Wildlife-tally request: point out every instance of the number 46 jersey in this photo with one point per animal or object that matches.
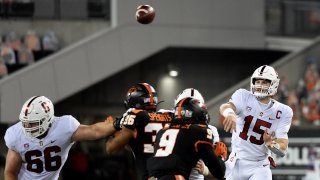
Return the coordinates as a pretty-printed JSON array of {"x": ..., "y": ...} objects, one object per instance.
[
  {"x": 253, "y": 118},
  {"x": 44, "y": 158}
]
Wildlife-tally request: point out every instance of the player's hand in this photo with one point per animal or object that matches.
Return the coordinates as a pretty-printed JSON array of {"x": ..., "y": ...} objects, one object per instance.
[
  {"x": 109, "y": 119},
  {"x": 229, "y": 123},
  {"x": 117, "y": 123},
  {"x": 269, "y": 138},
  {"x": 201, "y": 168},
  {"x": 221, "y": 149}
]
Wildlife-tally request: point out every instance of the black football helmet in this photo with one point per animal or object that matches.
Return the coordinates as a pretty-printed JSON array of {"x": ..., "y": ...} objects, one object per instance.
[
  {"x": 190, "y": 110},
  {"x": 141, "y": 96}
]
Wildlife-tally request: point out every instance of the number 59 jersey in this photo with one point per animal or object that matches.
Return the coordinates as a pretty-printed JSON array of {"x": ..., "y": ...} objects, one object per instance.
[
  {"x": 176, "y": 150},
  {"x": 44, "y": 158},
  {"x": 253, "y": 118}
]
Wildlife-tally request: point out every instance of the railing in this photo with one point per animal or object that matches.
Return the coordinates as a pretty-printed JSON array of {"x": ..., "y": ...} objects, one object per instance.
[{"x": 55, "y": 9}]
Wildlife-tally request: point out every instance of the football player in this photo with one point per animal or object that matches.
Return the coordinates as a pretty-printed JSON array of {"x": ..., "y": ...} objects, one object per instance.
[
  {"x": 140, "y": 124},
  {"x": 184, "y": 142},
  {"x": 200, "y": 169},
  {"x": 259, "y": 125},
  {"x": 38, "y": 145}
]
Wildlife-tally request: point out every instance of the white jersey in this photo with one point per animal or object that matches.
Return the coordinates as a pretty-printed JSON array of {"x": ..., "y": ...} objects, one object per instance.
[
  {"x": 43, "y": 159},
  {"x": 252, "y": 120},
  {"x": 194, "y": 175}
]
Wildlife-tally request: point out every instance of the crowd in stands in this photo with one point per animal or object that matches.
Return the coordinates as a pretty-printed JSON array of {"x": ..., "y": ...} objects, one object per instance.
[
  {"x": 304, "y": 99},
  {"x": 19, "y": 51}
]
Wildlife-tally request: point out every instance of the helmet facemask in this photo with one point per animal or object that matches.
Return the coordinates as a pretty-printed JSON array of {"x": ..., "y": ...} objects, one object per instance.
[
  {"x": 264, "y": 73},
  {"x": 35, "y": 128}
]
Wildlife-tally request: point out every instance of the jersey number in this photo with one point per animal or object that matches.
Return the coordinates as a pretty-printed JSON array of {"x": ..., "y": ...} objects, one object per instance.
[
  {"x": 51, "y": 162},
  {"x": 151, "y": 128},
  {"x": 167, "y": 141},
  {"x": 257, "y": 129}
]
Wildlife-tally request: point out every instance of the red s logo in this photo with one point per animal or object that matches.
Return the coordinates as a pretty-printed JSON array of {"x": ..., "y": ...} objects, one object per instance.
[{"x": 45, "y": 107}]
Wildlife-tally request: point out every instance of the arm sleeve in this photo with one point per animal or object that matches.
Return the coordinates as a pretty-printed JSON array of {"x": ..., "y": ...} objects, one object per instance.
[{"x": 215, "y": 164}]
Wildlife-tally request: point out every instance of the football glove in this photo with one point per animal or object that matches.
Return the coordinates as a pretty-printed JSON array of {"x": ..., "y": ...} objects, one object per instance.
[
  {"x": 117, "y": 123},
  {"x": 221, "y": 150}
]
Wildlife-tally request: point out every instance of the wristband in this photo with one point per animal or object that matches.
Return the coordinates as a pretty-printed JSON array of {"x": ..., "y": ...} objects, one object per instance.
[
  {"x": 227, "y": 111},
  {"x": 276, "y": 149},
  {"x": 205, "y": 171}
]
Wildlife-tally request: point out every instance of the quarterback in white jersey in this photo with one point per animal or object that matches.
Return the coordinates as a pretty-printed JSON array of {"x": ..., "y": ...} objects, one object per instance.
[
  {"x": 38, "y": 145},
  {"x": 259, "y": 125}
]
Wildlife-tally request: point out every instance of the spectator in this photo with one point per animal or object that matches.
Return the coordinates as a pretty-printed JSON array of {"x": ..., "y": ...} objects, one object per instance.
[
  {"x": 25, "y": 56},
  {"x": 13, "y": 40},
  {"x": 32, "y": 42},
  {"x": 8, "y": 55},
  {"x": 50, "y": 41},
  {"x": 3, "y": 68}
]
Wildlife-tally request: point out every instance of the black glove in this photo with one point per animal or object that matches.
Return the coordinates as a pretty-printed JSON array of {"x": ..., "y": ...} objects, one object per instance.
[{"x": 117, "y": 124}]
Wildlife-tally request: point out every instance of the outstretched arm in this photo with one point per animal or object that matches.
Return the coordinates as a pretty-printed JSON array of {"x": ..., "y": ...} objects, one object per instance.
[
  {"x": 94, "y": 131},
  {"x": 227, "y": 110},
  {"x": 13, "y": 164}
]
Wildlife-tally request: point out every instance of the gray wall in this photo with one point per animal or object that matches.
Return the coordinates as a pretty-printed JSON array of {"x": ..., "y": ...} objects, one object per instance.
[{"x": 205, "y": 23}]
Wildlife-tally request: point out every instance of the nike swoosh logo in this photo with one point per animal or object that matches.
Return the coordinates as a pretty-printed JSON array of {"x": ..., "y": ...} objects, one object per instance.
[
  {"x": 53, "y": 141},
  {"x": 265, "y": 165},
  {"x": 271, "y": 119}
]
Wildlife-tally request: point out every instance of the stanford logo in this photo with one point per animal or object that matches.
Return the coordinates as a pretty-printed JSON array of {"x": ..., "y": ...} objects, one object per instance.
[
  {"x": 45, "y": 107},
  {"x": 26, "y": 146}
]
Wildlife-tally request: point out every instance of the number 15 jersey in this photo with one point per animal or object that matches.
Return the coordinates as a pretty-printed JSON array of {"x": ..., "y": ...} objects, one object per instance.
[{"x": 253, "y": 118}]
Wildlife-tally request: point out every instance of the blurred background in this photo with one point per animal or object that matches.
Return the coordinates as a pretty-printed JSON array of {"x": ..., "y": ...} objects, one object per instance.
[{"x": 85, "y": 54}]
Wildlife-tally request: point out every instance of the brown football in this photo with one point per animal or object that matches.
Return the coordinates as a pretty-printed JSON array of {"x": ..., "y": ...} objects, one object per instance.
[{"x": 145, "y": 14}]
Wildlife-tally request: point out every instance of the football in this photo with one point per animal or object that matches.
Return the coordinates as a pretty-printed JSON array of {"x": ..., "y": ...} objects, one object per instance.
[{"x": 145, "y": 14}]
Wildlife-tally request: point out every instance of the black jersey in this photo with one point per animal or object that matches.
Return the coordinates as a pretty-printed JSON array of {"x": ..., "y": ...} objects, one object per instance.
[
  {"x": 178, "y": 149},
  {"x": 146, "y": 125}
]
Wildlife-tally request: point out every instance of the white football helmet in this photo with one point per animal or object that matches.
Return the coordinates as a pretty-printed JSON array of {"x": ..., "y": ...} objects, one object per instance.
[
  {"x": 189, "y": 92},
  {"x": 267, "y": 73},
  {"x": 36, "y": 116}
]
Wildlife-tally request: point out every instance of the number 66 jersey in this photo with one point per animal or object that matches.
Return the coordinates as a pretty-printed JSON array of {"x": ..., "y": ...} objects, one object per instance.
[
  {"x": 253, "y": 118},
  {"x": 44, "y": 158}
]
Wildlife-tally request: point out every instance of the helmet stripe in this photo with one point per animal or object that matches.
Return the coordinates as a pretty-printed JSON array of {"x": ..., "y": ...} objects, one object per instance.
[
  {"x": 26, "y": 112},
  {"x": 147, "y": 86},
  {"x": 192, "y": 92},
  {"x": 180, "y": 108},
  {"x": 262, "y": 69}
]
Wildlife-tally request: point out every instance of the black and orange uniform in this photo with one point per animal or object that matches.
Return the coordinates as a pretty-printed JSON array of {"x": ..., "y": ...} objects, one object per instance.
[
  {"x": 183, "y": 143},
  {"x": 189, "y": 143},
  {"x": 145, "y": 126}
]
